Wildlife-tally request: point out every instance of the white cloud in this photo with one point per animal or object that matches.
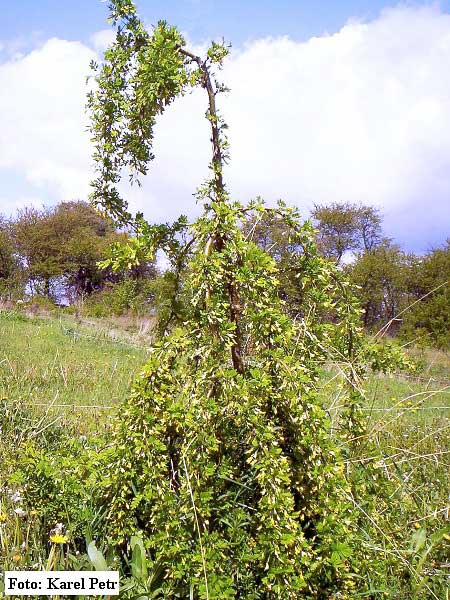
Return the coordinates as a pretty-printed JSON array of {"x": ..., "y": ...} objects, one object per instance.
[
  {"x": 102, "y": 39},
  {"x": 361, "y": 115},
  {"x": 42, "y": 121}
]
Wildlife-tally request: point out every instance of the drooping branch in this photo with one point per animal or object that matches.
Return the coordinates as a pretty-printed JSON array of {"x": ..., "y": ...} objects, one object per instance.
[{"x": 143, "y": 73}]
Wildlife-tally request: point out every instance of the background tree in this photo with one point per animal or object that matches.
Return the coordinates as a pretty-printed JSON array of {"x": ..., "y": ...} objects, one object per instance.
[
  {"x": 340, "y": 228},
  {"x": 273, "y": 235},
  {"x": 61, "y": 247},
  {"x": 346, "y": 227},
  {"x": 428, "y": 319},
  {"x": 38, "y": 249},
  {"x": 368, "y": 223},
  {"x": 270, "y": 231},
  {"x": 82, "y": 237},
  {"x": 11, "y": 273},
  {"x": 383, "y": 276}
]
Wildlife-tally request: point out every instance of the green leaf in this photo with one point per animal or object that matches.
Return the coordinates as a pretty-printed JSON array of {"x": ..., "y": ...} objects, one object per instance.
[
  {"x": 138, "y": 560},
  {"x": 419, "y": 538},
  {"x": 96, "y": 558}
]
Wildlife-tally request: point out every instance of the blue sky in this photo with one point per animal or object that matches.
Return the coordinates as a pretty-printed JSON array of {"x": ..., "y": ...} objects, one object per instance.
[
  {"x": 331, "y": 101},
  {"x": 237, "y": 20}
]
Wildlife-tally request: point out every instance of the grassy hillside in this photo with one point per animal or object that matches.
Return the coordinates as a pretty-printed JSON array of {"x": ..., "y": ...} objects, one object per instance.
[{"x": 60, "y": 366}]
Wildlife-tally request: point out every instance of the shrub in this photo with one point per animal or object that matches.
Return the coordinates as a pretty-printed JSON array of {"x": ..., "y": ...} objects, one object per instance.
[
  {"x": 130, "y": 295},
  {"x": 232, "y": 477},
  {"x": 59, "y": 487},
  {"x": 223, "y": 461}
]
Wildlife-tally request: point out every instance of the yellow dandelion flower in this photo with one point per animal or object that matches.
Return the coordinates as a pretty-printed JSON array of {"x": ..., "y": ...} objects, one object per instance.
[
  {"x": 17, "y": 558},
  {"x": 57, "y": 538},
  {"x": 3, "y": 517}
]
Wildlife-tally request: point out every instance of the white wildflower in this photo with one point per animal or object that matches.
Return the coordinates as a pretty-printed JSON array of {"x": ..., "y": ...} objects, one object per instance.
[{"x": 16, "y": 497}]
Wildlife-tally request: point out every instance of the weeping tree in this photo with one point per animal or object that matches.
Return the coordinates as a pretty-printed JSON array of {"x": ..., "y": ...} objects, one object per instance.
[{"x": 223, "y": 461}]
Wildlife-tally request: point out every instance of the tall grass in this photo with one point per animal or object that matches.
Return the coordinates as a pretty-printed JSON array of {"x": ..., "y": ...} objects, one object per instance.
[{"x": 406, "y": 444}]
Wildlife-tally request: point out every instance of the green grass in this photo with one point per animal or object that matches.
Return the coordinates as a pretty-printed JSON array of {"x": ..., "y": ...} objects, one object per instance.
[
  {"x": 59, "y": 363},
  {"x": 409, "y": 424},
  {"x": 407, "y": 442}
]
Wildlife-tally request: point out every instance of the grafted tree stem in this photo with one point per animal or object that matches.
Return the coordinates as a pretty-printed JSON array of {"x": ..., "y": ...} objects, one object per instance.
[
  {"x": 220, "y": 195},
  {"x": 212, "y": 117}
]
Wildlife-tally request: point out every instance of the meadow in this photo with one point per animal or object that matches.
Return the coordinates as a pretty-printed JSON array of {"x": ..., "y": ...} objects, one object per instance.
[
  {"x": 77, "y": 372},
  {"x": 68, "y": 375}
]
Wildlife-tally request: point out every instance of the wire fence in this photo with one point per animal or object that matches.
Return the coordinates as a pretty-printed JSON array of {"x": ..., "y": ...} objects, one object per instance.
[
  {"x": 103, "y": 338},
  {"x": 51, "y": 405}
]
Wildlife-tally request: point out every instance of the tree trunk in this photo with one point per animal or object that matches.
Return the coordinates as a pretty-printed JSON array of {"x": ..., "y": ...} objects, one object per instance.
[{"x": 220, "y": 196}]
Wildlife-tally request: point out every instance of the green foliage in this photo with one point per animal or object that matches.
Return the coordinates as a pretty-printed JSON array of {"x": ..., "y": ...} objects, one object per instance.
[
  {"x": 223, "y": 461},
  {"x": 143, "y": 72},
  {"x": 429, "y": 321},
  {"x": 60, "y": 487},
  {"x": 130, "y": 295},
  {"x": 169, "y": 301},
  {"x": 429, "y": 318},
  {"x": 63, "y": 243},
  {"x": 40, "y": 484},
  {"x": 62, "y": 254},
  {"x": 383, "y": 276},
  {"x": 141, "y": 75},
  {"x": 346, "y": 227},
  {"x": 311, "y": 291},
  {"x": 405, "y": 294},
  {"x": 405, "y": 448},
  {"x": 225, "y": 478},
  {"x": 385, "y": 357},
  {"x": 273, "y": 235},
  {"x": 12, "y": 281}
]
